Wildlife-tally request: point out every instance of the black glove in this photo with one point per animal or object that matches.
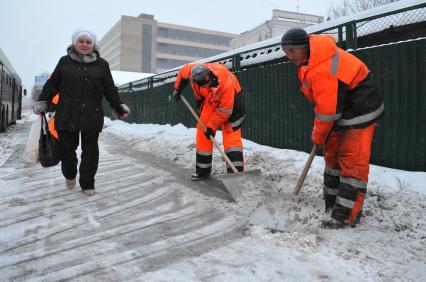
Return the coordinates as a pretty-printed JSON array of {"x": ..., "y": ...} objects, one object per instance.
[
  {"x": 176, "y": 95},
  {"x": 209, "y": 132}
]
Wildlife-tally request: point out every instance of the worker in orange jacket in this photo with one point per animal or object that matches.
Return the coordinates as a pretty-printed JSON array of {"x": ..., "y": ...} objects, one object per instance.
[
  {"x": 346, "y": 105},
  {"x": 221, "y": 105}
]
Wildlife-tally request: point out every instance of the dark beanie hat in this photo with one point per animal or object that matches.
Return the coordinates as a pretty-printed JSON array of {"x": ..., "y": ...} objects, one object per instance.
[
  {"x": 200, "y": 74},
  {"x": 295, "y": 38}
]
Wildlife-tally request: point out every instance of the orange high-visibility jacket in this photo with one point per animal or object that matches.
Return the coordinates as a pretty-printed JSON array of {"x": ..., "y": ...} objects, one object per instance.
[
  {"x": 329, "y": 80},
  {"x": 220, "y": 97}
]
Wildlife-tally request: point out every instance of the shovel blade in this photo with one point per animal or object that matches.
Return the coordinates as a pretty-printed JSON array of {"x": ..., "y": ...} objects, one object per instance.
[
  {"x": 243, "y": 183},
  {"x": 287, "y": 212}
]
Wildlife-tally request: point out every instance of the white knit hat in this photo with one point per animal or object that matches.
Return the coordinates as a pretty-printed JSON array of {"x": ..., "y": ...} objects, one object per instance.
[{"x": 83, "y": 32}]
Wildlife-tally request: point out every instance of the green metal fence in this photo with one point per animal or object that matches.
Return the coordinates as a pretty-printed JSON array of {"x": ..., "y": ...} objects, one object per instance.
[
  {"x": 395, "y": 22},
  {"x": 400, "y": 140},
  {"x": 278, "y": 115}
]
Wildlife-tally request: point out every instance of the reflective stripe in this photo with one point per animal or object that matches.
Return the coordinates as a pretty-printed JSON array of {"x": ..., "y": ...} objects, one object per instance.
[
  {"x": 226, "y": 111},
  {"x": 233, "y": 82},
  {"x": 203, "y": 165},
  {"x": 328, "y": 117},
  {"x": 204, "y": 153},
  {"x": 353, "y": 182},
  {"x": 234, "y": 149},
  {"x": 332, "y": 171},
  {"x": 238, "y": 122},
  {"x": 306, "y": 84},
  {"x": 345, "y": 202},
  {"x": 330, "y": 191},
  {"x": 363, "y": 118},
  {"x": 334, "y": 63},
  {"x": 236, "y": 164}
]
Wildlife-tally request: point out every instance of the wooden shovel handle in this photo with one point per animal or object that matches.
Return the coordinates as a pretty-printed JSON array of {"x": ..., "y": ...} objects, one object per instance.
[
  {"x": 306, "y": 169},
  {"x": 228, "y": 161}
]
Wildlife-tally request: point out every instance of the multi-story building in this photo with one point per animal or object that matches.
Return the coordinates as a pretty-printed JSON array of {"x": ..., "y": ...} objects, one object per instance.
[
  {"x": 281, "y": 21},
  {"x": 142, "y": 44}
]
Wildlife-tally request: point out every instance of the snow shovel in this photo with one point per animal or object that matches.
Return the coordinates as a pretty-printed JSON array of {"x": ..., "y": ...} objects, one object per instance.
[
  {"x": 238, "y": 184},
  {"x": 287, "y": 211},
  {"x": 306, "y": 169}
]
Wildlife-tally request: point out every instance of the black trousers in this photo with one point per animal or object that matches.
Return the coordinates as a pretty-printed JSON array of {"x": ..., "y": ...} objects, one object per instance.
[{"x": 68, "y": 142}]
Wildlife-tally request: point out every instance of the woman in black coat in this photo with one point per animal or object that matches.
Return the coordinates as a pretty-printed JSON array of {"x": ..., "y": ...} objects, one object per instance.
[{"x": 82, "y": 78}]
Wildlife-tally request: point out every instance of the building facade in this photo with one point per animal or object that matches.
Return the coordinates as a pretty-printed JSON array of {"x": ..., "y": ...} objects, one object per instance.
[
  {"x": 281, "y": 21},
  {"x": 142, "y": 44}
]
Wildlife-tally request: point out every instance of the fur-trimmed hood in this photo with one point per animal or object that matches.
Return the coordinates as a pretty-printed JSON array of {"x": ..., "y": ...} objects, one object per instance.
[{"x": 89, "y": 58}]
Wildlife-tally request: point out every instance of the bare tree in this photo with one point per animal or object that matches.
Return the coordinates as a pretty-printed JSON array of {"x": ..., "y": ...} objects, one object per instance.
[{"x": 348, "y": 7}]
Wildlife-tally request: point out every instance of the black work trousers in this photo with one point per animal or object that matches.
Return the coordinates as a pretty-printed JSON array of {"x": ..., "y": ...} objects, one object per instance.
[{"x": 68, "y": 142}]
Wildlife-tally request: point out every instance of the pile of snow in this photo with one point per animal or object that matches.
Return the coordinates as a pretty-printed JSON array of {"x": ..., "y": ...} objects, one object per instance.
[
  {"x": 178, "y": 142},
  {"x": 388, "y": 245},
  {"x": 123, "y": 77}
]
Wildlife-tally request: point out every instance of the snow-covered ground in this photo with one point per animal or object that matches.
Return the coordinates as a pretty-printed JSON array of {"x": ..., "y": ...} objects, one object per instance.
[
  {"x": 123, "y": 77},
  {"x": 388, "y": 245}
]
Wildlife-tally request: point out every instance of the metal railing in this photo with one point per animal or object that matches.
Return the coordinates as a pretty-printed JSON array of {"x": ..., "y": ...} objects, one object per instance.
[
  {"x": 394, "y": 22},
  {"x": 279, "y": 116}
]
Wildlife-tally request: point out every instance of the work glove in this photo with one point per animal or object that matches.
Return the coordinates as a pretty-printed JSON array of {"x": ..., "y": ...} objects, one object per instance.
[
  {"x": 209, "y": 132},
  {"x": 121, "y": 112},
  {"x": 176, "y": 95},
  {"x": 320, "y": 147},
  {"x": 40, "y": 107}
]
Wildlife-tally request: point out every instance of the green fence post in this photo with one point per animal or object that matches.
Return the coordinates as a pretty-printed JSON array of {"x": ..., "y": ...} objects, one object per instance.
[
  {"x": 236, "y": 62},
  {"x": 350, "y": 39},
  {"x": 340, "y": 36},
  {"x": 355, "y": 36}
]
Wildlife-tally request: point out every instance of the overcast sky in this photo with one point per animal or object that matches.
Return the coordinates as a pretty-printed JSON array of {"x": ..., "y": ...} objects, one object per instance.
[{"x": 34, "y": 34}]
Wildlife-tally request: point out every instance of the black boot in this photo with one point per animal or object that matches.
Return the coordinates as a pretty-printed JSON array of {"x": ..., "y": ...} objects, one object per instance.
[
  {"x": 329, "y": 202},
  {"x": 357, "y": 220},
  {"x": 199, "y": 176},
  {"x": 336, "y": 222},
  {"x": 332, "y": 223},
  {"x": 334, "y": 219}
]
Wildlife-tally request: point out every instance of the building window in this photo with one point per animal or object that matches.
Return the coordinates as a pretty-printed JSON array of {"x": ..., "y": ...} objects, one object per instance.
[
  {"x": 186, "y": 50},
  {"x": 166, "y": 64},
  {"x": 193, "y": 36},
  {"x": 146, "y": 47}
]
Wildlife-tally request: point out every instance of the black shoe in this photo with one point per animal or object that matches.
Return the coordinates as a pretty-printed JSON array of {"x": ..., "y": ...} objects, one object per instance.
[{"x": 197, "y": 176}]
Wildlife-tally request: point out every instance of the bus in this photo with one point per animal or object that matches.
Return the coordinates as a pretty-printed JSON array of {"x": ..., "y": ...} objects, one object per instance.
[{"x": 10, "y": 93}]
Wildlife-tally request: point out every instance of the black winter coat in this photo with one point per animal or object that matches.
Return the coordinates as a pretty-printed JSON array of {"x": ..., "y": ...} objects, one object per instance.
[{"x": 81, "y": 86}]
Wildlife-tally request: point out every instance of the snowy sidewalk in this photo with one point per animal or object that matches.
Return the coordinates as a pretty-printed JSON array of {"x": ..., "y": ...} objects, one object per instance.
[
  {"x": 141, "y": 219},
  {"x": 149, "y": 222}
]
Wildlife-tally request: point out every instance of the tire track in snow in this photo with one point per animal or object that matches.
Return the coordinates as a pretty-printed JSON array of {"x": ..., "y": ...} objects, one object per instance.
[{"x": 144, "y": 216}]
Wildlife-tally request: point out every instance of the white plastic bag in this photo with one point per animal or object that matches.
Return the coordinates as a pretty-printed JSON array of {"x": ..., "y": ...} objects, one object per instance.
[{"x": 31, "y": 154}]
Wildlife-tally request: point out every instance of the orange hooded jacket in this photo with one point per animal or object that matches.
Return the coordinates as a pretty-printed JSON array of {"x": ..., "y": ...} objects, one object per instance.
[
  {"x": 219, "y": 96},
  {"x": 329, "y": 69}
]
